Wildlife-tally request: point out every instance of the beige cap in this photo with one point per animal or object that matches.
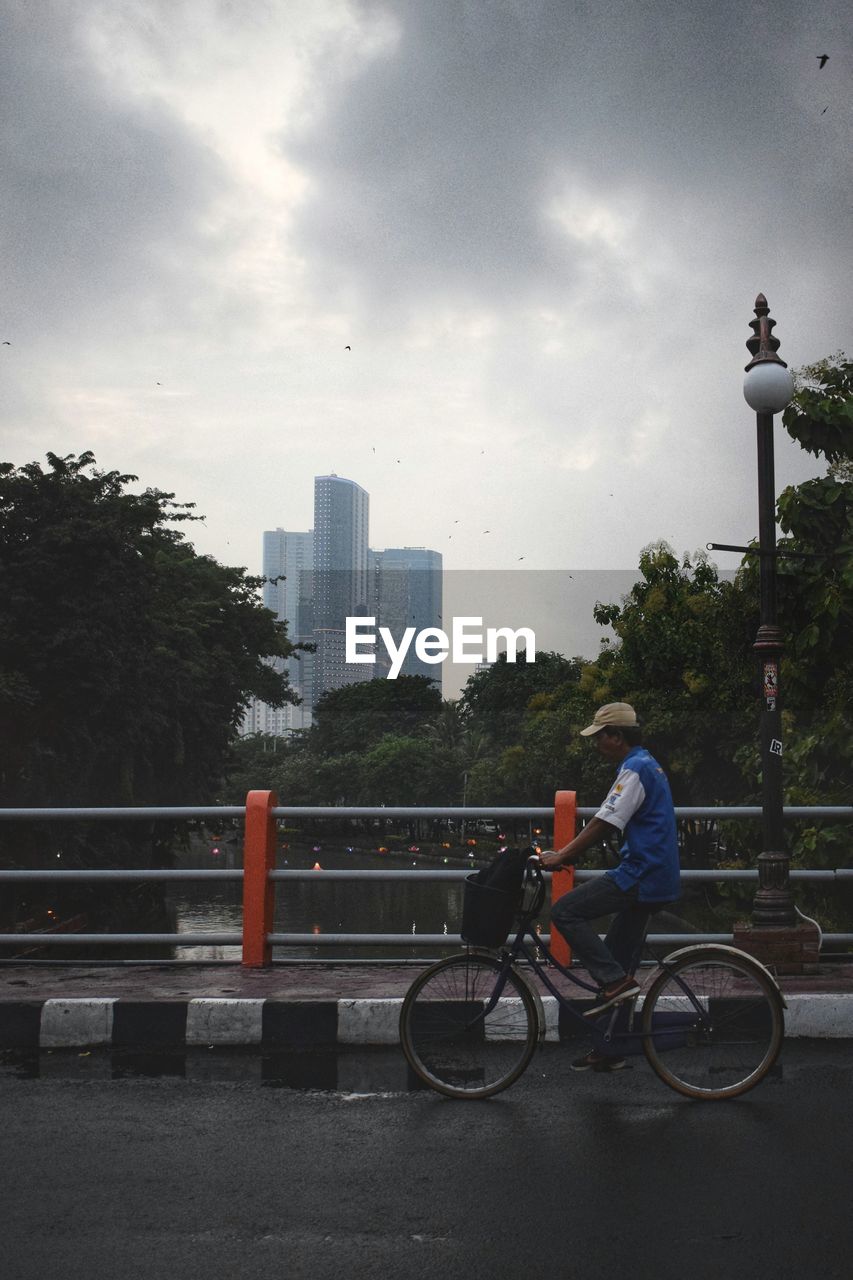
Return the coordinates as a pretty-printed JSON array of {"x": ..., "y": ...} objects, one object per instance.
[{"x": 614, "y": 715}]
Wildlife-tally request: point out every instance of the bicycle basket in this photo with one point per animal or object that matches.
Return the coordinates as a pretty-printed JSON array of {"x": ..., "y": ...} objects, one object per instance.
[{"x": 487, "y": 913}]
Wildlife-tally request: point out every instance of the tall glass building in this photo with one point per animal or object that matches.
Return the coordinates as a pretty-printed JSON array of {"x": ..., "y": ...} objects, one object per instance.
[
  {"x": 407, "y": 592},
  {"x": 341, "y": 579},
  {"x": 288, "y": 559},
  {"x": 341, "y": 518}
]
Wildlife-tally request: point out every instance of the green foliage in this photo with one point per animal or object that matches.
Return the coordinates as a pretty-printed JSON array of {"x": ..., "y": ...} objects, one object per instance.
[
  {"x": 509, "y": 709},
  {"x": 495, "y": 699},
  {"x": 307, "y": 778},
  {"x": 406, "y": 771},
  {"x": 254, "y": 763},
  {"x": 360, "y": 715},
  {"x": 816, "y": 609},
  {"x": 820, "y": 417},
  {"x": 126, "y": 658},
  {"x": 684, "y": 661}
]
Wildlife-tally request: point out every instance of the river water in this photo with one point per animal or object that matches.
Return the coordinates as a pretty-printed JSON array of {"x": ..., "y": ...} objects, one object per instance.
[
  {"x": 352, "y": 906},
  {"x": 322, "y": 907}
]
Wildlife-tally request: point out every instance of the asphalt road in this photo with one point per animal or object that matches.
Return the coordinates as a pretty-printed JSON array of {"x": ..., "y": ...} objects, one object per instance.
[{"x": 587, "y": 1176}]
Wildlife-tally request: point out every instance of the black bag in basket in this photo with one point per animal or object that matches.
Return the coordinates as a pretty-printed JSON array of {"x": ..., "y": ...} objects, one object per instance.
[{"x": 492, "y": 898}]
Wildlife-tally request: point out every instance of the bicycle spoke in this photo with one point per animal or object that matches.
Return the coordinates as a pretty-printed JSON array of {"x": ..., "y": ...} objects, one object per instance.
[
  {"x": 460, "y": 1035},
  {"x": 727, "y": 1044}
]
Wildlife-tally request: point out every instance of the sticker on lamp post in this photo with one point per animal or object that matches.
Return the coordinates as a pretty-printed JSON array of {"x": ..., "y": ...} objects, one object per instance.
[
  {"x": 775, "y": 747},
  {"x": 771, "y": 685}
]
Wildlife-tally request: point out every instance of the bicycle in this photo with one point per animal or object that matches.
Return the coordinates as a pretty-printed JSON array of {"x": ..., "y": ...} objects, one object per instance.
[{"x": 711, "y": 1021}]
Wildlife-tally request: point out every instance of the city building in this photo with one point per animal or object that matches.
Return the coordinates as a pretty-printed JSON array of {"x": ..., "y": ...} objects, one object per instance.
[
  {"x": 407, "y": 592},
  {"x": 288, "y": 563},
  {"x": 341, "y": 580},
  {"x": 317, "y": 578},
  {"x": 288, "y": 560}
]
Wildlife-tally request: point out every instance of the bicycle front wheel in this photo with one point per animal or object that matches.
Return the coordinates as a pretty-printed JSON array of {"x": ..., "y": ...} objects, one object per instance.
[
  {"x": 712, "y": 1023},
  {"x": 457, "y": 1037}
]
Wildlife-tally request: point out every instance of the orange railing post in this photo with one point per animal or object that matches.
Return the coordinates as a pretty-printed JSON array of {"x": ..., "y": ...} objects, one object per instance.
[
  {"x": 258, "y": 889},
  {"x": 562, "y": 880}
]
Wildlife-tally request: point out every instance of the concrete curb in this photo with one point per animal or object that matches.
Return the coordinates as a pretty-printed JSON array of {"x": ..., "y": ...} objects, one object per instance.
[
  {"x": 819, "y": 1016},
  {"x": 288, "y": 1024}
]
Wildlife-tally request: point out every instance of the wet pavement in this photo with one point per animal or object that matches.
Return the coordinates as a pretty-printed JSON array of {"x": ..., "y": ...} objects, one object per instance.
[
  {"x": 190, "y": 980},
  {"x": 351, "y": 1070},
  {"x": 176, "y": 1177}
]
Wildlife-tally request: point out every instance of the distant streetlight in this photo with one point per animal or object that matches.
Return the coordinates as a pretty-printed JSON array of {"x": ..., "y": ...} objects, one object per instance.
[{"x": 768, "y": 387}]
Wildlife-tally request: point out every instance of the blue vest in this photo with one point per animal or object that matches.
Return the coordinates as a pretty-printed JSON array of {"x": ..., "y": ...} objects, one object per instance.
[{"x": 650, "y": 849}]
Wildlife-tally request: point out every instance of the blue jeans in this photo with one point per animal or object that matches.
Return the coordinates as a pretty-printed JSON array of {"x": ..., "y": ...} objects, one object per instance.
[{"x": 607, "y": 961}]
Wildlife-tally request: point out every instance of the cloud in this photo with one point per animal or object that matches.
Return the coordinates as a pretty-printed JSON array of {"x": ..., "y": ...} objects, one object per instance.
[
  {"x": 104, "y": 197},
  {"x": 503, "y": 154}
]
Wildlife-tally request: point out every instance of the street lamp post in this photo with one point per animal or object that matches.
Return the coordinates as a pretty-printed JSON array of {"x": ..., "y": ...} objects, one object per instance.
[{"x": 768, "y": 388}]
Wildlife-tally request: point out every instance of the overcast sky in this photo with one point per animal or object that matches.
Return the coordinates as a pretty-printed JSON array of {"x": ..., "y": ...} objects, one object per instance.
[{"x": 539, "y": 224}]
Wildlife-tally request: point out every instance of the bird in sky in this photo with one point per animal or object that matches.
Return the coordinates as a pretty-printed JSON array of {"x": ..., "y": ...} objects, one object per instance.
[
  {"x": 521, "y": 557},
  {"x": 7, "y": 344},
  {"x": 487, "y": 531},
  {"x": 347, "y": 348},
  {"x": 822, "y": 58}
]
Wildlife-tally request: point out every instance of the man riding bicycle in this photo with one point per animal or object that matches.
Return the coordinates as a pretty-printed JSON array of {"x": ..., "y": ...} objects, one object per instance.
[{"x": 639, "y": 806}]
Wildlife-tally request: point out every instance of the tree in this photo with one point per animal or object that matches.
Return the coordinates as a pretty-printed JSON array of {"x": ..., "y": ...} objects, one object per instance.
[
  {"x": 126, "y": 659},
  {"x": 254, "y": 763},
  {"x": 493, "y": 711},
  {"x": 684, "y": 659},
  {"x": 495, "y": 699},
  {"x": 406, "y": 771},
  {"x": 820, "y": 416},
  {"x": 816, "y": 608},
  {"x": 358, "y": 716}
]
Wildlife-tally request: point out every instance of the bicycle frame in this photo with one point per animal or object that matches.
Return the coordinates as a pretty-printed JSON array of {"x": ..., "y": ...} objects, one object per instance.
[{"x": 601, "y": 1034}]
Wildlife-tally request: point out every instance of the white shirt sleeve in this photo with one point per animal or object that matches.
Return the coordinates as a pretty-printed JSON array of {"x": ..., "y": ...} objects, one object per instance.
[{"x": 625, "y": 798}]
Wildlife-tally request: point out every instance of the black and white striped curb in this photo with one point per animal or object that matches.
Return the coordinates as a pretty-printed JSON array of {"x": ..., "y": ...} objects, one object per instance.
[
  {"x": 154, "y": 1024},
  {"x": 288, "y": 1024}
]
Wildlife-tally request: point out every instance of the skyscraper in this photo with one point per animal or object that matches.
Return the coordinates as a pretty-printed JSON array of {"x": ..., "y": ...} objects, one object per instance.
[
  {"x": 289, "y": 558},
  {"x": 341, "y": 580},
  {"x": 287, "y": 567},
  {"x": 318, "y": 578},
  {"x": 407, "y": 592},
  {"x": 341, "y": 517}
]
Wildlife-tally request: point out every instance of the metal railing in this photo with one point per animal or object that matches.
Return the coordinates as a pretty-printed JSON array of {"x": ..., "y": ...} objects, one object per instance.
[{"x": 260, "y": 876}]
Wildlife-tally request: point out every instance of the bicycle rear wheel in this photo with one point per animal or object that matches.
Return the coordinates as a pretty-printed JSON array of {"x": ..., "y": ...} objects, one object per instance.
[
  {"x": 454, "y": 1041},
  {"x": 713, "y": 1023}
]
